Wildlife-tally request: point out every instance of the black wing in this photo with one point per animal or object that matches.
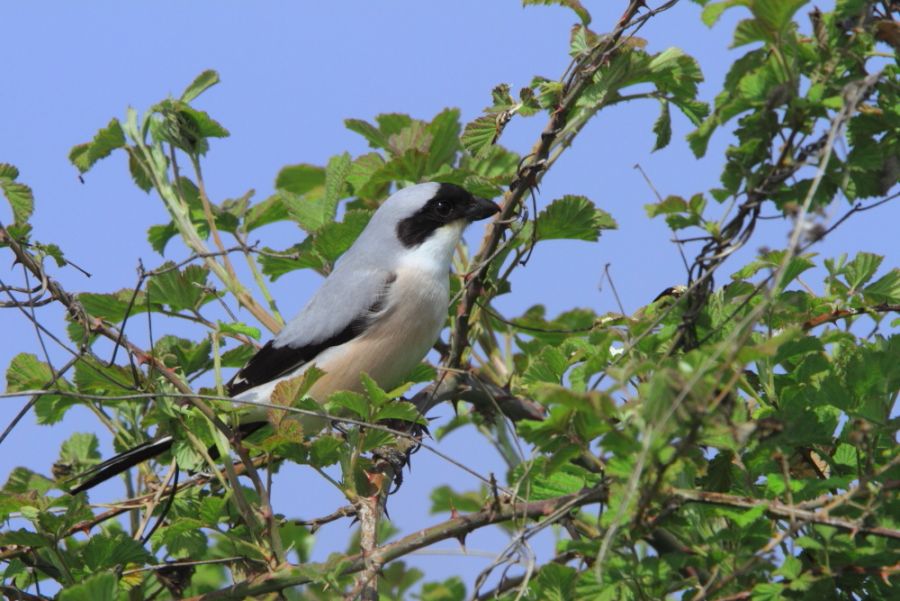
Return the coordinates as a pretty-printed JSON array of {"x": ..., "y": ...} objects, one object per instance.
[{"x": 272, "y": 362}]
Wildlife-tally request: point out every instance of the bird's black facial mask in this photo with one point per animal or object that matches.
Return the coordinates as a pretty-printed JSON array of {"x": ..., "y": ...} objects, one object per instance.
[{"x": 451, "y": 203}]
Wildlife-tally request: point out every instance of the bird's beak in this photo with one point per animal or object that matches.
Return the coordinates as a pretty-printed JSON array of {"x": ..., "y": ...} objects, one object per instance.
[{"x": 481, "y": 208}]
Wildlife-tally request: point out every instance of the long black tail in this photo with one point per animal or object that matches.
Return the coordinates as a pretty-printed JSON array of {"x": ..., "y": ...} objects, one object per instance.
[{"x": 123, "y": 461}]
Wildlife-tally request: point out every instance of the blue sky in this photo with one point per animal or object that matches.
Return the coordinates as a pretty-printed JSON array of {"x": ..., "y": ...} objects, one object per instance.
[{"x": 291, "y": 73}]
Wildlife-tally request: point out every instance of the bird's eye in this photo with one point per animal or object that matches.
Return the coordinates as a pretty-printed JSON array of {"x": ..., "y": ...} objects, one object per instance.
[{"x": 442, "y": 208}]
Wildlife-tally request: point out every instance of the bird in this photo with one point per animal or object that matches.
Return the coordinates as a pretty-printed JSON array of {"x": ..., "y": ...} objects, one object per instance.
[{"x": 378, "y": 312}]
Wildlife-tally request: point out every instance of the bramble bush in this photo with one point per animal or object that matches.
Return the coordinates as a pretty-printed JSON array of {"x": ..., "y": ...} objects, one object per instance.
[{"x": 733, "y": 439}]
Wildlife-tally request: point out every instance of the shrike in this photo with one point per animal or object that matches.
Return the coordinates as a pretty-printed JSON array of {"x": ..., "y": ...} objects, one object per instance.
[{"x": 378, "y": 312}]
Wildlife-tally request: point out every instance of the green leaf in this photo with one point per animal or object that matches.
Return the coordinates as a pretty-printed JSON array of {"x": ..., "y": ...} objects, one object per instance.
[
  {"x": 300, "y": 179},
  {"x": 263, "y": 213},
  {"x": 20, "y": 196},
  {"x": 179, "y": 289},
  {"x": 351, "y": 401},
  {"x": 212, "y": 510},
  {"x": 183, "y": 354},
  {"x": 140, "y": 174},
  {"x": 27, "y": 372},
  {"x": 375, "y": 137},
  {"x": 24, "y": 538},
  {"x": 99, "y": 587},
  {"x": 861, "y": 269},
  {"x": 335, "y": 237},
  {"x": 400, "y": 410},
  {"x": 335, "y": 183},
  {"x": 548, "y": 366},
  {"x": 451, "y": 589},
  {"x": 103, "y": 551},
  {"x": 776, "y": 14},
  {"x": 445, "y": 499},
  {"x": 444, "y": 130},
  {"x": 236, "y": 327},
  {"x": 886, "y": 289},
  {"x": 317, "y": 207},
  {"x": 573, "y": 217},
  {"x": 107, "y": 139},
  {"x": 22, "y": 480},
  {"x": 554, "y": 582},
  {"x": 663, "y": 126},
  {"x": 91, "y": 377},
  {"x": 276, "y": 263},
  {"x": 575, "y": 5},
  {"x": 712, "y": 12},
  {"x": 8, "y": 171},
  {"x": 159, "y": 235},
  {"x": 566, "y": 479},
  {"x": 480, "y": 134},
  {"x": 81, "y": 449},
  {"x": 289, "y": 392},
  {"x": 201, "y": 83},
  {"x": 115, "y": 306}
]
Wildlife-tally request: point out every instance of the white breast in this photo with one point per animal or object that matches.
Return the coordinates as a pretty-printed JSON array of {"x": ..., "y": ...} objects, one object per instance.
[{"x": 392, "y": 346}]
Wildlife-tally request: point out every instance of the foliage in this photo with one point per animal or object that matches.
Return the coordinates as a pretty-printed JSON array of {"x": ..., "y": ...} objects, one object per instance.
[{"x": 733, "y": 442}]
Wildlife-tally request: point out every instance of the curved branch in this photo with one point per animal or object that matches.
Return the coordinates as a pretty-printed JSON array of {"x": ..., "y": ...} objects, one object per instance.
[{"x": 452, "y": 528}]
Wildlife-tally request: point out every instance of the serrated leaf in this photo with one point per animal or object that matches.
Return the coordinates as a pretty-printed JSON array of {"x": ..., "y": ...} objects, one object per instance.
[
  {"x": 574, "y": 218},
  {"x": 335, "y": 237},
  {"x": 300, "y": 179},
  {"x": 480, "y": 134},
  {"x": 236, "y": 327},
  {"x": 99, "y": 587},
  {"x": 335, "y": 183},
  {"x": 663, "y": 126},
  {"x": 318, "y": 209},
  {"x": 8, "y": 171},
  {"x": 574, "y": 5},
  {"x": 444, "y": 498},
  {"x": 92, "y": 377},
  {"x": 24, "y": 538},
  {"x": 212, "y": 510},
  {"x": 548, "y": 366},
  {"x": 861, "y": 269},
  {"x": 885, "y": 289},
  {"x": 20, "y": 198},
  {"x": 27, "y": 372},
  {"x": 22, "y": 480},
  {"x": 400, "y": 410},
  {"x": 393, "y": 123},
  {"x": 276, "y": 263},
  {"x": 115, "y": 306},
  {"x": 351, "y": 401},
  {"x": 326, "y": 450},
  {"x": 105, "y": 141},
  {"x": 201, "y": 83},
  {"x": 375, "y": 137},
  {"x": 185, "y": 355},
  {"x": 363, "y": 176},
  {"x": 289, "y": 392},
  {"x": 159, "y": 235},
  {"x": 263, "y": 213},
  {"x": 104, "y": 551},
  {"x": 81, "y": 448},
  {"x": 181, "y": 290},
  {"x": 566, "y": 479},
  {"x": 555, "y": 582},
  {"x": 444, "y": 130}
]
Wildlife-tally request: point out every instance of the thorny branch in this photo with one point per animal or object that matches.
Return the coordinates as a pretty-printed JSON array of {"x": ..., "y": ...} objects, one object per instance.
[
  {"x": 451, "y": 529},
  {"x": 531, "y": 172}
]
